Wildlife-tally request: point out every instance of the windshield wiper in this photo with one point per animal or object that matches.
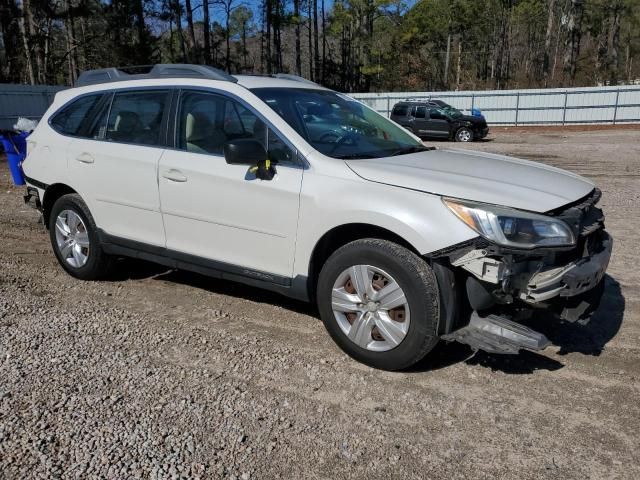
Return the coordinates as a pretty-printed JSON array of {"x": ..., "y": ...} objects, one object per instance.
[
  {"x": 353, "y": 156},
  {"x": 413, "y": 149}
]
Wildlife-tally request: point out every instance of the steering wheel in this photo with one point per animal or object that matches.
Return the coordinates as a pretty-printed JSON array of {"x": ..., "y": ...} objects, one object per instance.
[{"x": 343, "y": 140}]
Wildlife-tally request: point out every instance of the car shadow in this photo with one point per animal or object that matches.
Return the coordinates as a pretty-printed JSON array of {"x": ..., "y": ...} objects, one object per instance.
[
  {"x": 588, "y": 339},
  {"x": 135, "y": 269}
]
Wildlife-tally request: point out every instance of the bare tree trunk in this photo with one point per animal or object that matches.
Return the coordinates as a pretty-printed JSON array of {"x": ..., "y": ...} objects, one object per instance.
[
  {"x": 243, "y": 37},
  {"x": 178, "y": 13},
  {"x": 458, "y": 67},
  {"x": 446, "y": 61},
  {"x": 263, "y": 20},
  {"x": 277, "y": 34},
  {"x": 613, "y": 44},
  {"x": 316, "y": 52},
  {"x": 45, "y": 58},
  {"x": 25, "y": 42},
  {"x": 227, "y": 59},
  {"x": 33, "y": 41},
  {"x": 296, "y": 14},
  {"x": 556, "y": 50},
  {"x": 171, "y": 54},
  {"x": 206, "y": 31},
  {"x": 268, "y": 15},
  {"x": 324, "y": 44},
  {"x": 83, "y": 57},
  {"x": 309, "y": 5},
  {"x": 74, "y": 51},
  {"x": 192, "y": 32},
  {"x": 574, "y": 35},
  {"x": 551, "y": 4},
  {"x": 627, "y": 62}
]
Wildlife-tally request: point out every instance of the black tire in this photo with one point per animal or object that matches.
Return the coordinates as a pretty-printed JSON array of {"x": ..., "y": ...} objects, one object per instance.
[
  {"x": 417, "y": 280},
  {"x": 463, "y": 134},
  {"x": 98, "y": 263}
]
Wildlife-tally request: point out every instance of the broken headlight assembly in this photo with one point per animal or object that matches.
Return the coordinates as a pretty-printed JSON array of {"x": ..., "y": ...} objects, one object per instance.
[{"x": 510, "y": 227}]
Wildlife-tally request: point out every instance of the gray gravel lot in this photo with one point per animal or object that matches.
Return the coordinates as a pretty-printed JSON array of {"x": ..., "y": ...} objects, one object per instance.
[{"x": 160, "y": 374}]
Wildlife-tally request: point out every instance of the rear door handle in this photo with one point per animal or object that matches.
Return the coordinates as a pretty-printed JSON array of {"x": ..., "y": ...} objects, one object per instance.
[
  {"x": 85, "y": 158},
  {"x": 174, "y": 176}
]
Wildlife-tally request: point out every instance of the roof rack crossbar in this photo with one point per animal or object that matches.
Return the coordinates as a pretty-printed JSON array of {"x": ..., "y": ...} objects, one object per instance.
[{"x": 162, "y": 70}]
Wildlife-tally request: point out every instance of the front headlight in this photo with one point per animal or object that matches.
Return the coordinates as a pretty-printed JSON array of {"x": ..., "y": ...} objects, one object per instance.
[{"x": 510, "y": 227}]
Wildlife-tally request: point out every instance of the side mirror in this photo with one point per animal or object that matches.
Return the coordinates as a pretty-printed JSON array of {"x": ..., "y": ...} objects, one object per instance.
[
  {"x": 244, "y": 151},
  {"x": 248, "y": 151}
]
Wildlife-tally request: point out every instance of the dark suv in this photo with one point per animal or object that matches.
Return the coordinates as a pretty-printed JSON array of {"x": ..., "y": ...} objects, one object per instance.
[{"x": 427, "y": 119}]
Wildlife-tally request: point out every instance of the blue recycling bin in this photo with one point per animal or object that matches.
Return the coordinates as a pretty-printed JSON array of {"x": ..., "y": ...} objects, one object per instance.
[{"x": 15, "y": 146}]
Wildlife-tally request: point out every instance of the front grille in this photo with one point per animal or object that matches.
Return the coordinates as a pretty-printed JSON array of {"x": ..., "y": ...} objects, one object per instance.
[
  {"x": 587, "y": 222},
  {"x": 582, "y": 216}
]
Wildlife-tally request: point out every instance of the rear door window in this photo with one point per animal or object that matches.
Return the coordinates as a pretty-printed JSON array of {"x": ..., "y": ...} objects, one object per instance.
[
  {"x": 136, "y": 117},
  {"x": 72, "y": 118},
  {"x": 421, "y": 112}
]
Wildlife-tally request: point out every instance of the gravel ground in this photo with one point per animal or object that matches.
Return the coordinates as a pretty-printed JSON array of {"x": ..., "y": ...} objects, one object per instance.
[{"x": 160, "y": 374}]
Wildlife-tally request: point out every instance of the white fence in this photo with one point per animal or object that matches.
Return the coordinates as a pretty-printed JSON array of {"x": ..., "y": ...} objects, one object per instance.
[
  {"x": 500, "y": 107},
  {"x": 560, "y": 106}
]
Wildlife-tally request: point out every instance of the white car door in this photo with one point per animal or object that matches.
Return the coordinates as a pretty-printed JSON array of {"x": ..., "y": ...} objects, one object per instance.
[
  {"x": 115, "y": 168},
  {"x": 221, "y": 212}
]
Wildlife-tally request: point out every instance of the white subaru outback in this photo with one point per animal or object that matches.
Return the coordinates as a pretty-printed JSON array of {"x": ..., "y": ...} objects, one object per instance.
[{"x": 280, "y": 183}]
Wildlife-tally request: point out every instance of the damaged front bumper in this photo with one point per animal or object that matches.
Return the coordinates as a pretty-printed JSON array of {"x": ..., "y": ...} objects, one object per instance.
[
  {"x": 533, "y": 278},
  {"x": 504, "y": 285},
  {"x": 569, "y": 280}
]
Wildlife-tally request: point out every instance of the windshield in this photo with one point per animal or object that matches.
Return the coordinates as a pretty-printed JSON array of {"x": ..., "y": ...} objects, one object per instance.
[
  {"x": 453, "y": 112},
  {"x": 337, "y": 125}
]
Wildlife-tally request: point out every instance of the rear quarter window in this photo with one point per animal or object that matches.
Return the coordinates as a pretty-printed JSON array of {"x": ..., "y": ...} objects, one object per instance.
[
  {"x": 400, "y": 110},
  {"x": 71, "y": 119}
]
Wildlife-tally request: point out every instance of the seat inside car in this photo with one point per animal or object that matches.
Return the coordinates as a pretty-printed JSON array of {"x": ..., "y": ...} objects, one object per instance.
[
  {"x": 260, "y": 131},
  {"x": 201, "y": 135},
  {"x": 127, "y": 127}
]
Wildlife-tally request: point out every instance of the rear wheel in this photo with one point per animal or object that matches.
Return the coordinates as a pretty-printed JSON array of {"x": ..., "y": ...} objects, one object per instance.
[
  {"x": 74, "y": 239},
  {"x": 379, "y": 302}
]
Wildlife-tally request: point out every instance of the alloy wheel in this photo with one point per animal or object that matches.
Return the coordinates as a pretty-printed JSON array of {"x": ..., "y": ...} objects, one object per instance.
[
  {"x": 72, "y": 238},
  {"x": 464, "y": 135}
]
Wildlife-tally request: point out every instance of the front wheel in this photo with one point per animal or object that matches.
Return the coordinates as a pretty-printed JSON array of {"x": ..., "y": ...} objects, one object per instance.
[
  {"x": 464, "y": 135},
  {"x": 379, "y": 302}
]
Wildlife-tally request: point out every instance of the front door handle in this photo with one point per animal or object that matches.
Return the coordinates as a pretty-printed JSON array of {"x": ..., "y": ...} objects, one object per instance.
[
  {"x": 85, "y": 158},
  {"x": 174, "y": 176}
]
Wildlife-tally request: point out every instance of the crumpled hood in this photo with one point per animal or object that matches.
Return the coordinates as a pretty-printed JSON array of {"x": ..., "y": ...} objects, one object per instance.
[
  {"x": 472, "y": 119},
  {"x": 478, "y": 176}
]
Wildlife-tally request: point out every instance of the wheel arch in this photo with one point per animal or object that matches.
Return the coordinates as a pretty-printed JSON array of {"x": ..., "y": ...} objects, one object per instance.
[
  {"x": 51, "y": 194},
  {"x": 341, "y": 235}
]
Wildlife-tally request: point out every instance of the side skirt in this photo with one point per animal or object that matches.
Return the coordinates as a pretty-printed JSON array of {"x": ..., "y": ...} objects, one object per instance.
[{"x": 293, "y": 288}]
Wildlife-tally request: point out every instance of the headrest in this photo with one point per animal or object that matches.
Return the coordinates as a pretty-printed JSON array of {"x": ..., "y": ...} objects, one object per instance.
[
  {"x": 127, "y": 121},
  {"x": 198, "y": 127},
  {"x": 259, "y": 129}
]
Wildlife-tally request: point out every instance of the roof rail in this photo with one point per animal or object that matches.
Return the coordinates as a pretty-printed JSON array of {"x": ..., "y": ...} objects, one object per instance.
[
  {"x": 418, "y": 99},
  {"x": 295, "y": 78},
  {"x": 162, "y": 70}
]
